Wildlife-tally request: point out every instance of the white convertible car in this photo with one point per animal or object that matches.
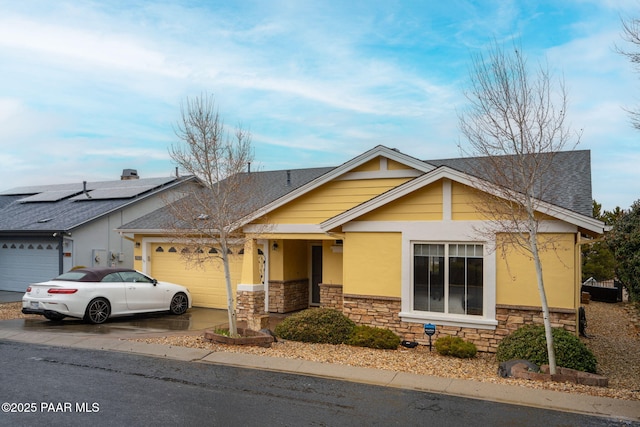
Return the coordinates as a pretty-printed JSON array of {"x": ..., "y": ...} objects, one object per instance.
[{"x": 96, "y": 294}]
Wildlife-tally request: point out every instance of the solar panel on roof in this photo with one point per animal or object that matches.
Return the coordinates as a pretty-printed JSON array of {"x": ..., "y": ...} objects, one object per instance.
[
  {"x": 35, "y": 189},
  {"x": 76, "y": 187},
  {"x": 50, "y": 196},
  {"x": 113, "y": 193}
]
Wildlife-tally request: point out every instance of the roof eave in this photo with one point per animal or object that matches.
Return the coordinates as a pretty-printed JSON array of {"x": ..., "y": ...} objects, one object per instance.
[
  {"x": 173, "y": 184},
  {"x": 375, "y": 152},
  {"x": 584, "y": 222}
]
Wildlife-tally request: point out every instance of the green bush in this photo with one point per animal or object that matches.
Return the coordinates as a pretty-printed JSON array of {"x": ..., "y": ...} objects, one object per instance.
[
  {"x": 316, "y": 325},
  {"x": 529, "y": 343},
  {"x": 372, "y": 337},
  {"x": 456, "y": 347},
  {"x": 624, "y": 241}
]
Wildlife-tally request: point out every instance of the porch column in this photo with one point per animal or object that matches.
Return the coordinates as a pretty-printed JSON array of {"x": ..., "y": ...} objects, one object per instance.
[{"x": 250, "y": 291}]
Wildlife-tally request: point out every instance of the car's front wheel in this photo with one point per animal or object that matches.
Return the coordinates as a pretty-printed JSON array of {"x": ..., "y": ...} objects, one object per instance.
[
  {"x": 97, "y": 311},
  {"x": 179, "y": 303}
]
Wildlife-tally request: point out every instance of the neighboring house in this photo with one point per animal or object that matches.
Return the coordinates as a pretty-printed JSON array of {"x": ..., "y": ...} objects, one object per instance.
[
  {"x": 391, "y": 241},
  {"x": 47, "y": 229}
]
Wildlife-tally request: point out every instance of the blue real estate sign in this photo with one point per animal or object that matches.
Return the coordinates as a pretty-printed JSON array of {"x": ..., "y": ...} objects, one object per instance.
[{"x": 429, "y": 329}]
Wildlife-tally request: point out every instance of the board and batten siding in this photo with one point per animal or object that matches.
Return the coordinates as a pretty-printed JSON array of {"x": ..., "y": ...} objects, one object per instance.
[
  {"x": 424, "y": 204},
  {"x": 330, "y": 200}
]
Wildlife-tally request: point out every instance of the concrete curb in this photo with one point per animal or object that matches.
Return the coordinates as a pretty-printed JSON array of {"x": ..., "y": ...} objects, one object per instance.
[{"x": 590, "y": 405}]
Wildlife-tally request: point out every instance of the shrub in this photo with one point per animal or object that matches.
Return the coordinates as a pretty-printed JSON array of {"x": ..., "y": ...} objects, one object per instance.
[
  {"x": 456, "y": 347},
  {"x": 316, "y": 325},
  {"x": 529, "y": 343},
  {"x": 372, "y": 337}
]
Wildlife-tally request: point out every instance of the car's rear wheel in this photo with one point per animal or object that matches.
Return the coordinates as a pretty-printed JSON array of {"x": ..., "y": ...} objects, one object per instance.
[
  {"x": 54, "y": 317},
  {"x": 179, "y": 303},
  {"x": 97, "y": 311}
]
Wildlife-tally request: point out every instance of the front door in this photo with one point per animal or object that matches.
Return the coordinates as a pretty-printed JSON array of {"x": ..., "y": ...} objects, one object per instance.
[{"x": 316, "y": 274}]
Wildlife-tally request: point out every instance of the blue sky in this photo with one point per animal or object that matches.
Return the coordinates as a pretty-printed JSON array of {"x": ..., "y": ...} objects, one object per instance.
[{"x": 88, "y": 88}]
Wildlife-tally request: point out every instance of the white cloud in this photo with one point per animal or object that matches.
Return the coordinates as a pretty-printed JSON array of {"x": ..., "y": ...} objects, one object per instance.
[
  {"x": 77, "y": 47},
  {"x": 128, "y": 153},
  {"x": 88, "y": 85},
  {"x": 20, "y": 122}
]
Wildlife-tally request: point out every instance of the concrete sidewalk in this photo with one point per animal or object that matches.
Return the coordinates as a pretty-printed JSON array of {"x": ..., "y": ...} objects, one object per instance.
[{"x": 590, "y": 405}]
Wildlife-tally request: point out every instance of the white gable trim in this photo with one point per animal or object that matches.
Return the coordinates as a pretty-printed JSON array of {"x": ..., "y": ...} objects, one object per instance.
[
  {"x": 449, "y": 175},
  {"x": 342, "y": 170},
  {"x": 383, "y": 199},
  {"x": 283, "y": 228},
  {"x": 397, "y": 173}
]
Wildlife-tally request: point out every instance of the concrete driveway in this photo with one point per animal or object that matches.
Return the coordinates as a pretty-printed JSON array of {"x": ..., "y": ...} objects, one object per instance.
[{"x": 193, "y": 321}]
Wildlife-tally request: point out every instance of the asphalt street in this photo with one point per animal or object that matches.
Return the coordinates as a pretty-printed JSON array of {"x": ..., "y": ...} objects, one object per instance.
[{"x": 45, "y": 385}]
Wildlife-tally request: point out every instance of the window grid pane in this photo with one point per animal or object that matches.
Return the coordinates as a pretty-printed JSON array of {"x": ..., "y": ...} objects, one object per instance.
[
  {"x": 464, "y": 269},
  {"x": 428, "y": 279}
]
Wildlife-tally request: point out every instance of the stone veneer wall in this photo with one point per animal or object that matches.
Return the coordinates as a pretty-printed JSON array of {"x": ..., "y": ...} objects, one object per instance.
[
  {"x": 384, "y": 312},
  {"x": 287, "y": 296},
  {"x": 331, "y": 296},
  {"x": 250, "y": 310},
  {"x": 249, "y": 305}
]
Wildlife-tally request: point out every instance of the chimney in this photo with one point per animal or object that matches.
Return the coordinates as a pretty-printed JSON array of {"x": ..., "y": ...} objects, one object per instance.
[{"x": 129, "y": 174}]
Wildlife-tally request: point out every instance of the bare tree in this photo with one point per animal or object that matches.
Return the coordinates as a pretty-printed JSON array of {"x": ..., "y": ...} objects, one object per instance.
[
  {"x": 514, "y": 126},
  {"x": 631, "y": 34},
  {"x": 206, "y": 220}
]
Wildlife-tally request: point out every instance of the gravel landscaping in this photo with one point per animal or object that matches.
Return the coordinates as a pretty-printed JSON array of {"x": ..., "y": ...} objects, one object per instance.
[{"x": 614, "y": 339}]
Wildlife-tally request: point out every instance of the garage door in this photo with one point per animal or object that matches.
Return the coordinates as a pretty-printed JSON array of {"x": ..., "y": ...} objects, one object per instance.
[
  {"x": 27, "y": 261},
  {"x": 207, "y": 285}
]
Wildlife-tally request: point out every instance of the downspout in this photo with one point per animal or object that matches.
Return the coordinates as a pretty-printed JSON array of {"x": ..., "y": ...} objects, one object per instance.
[
  {"x": 60, "y": 235},
  {"x": 577, "y": 293}
]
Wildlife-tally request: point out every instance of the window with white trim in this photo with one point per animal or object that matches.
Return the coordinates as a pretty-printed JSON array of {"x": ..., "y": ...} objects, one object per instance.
[{"x": 448, "y": 278}]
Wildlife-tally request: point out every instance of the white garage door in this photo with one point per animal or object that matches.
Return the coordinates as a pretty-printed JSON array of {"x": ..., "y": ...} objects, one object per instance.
[{"x": 25, "y": 261}]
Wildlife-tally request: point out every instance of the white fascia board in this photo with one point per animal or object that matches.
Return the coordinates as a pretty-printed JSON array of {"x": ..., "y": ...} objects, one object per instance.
[
  {"x": 384, "y": 198},
  {"x": 396, "y": 173},
  {"x": 389, "y": 153},
  {"x": 141, "y": 231},
  {"x": 550, "y": 209},
  {"x": 167, "y": 239},
  {"x": 283, "y": 229},
  {"x": 445, "y": 230},
  {"x": 157, "y": 231},
  {"x": 582, "y": 221},
  {"x": 341, "y": 170}
]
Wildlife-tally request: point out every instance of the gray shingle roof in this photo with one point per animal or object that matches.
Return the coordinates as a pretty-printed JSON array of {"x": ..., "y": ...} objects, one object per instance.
[
  {"x": 572, "y": 169},
  {"x": 270, "y": 185},
  {"x": 567, "y": 183},
  {"x": 47, "y": 208}
]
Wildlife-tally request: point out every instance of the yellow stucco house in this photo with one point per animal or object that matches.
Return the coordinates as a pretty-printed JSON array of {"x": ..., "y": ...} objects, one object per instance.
[{"x": 391, "y": 241}]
